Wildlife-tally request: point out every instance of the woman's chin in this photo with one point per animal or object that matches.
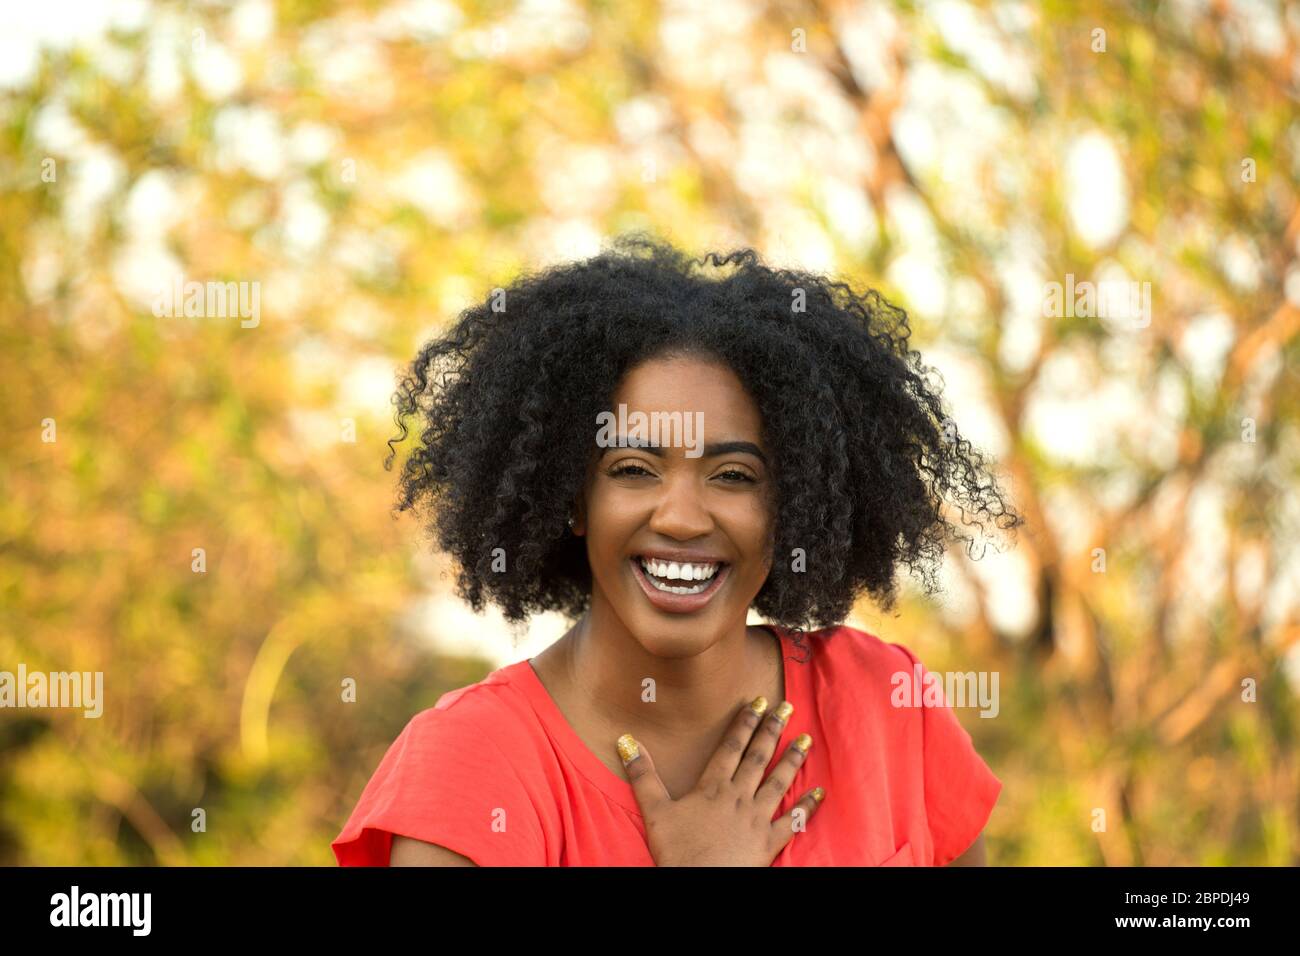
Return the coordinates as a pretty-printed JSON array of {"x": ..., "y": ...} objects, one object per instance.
[{"x": 676, "y": 635}]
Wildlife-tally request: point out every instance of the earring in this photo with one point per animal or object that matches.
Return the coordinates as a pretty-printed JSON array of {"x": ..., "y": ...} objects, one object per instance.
[{"x": 570, "y": 522}]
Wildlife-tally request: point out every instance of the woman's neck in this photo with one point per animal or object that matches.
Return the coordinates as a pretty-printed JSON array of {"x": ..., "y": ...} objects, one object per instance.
[{"x": 668, "y": 698}]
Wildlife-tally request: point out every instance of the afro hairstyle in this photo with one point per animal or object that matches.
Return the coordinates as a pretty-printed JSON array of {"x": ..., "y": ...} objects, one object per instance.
[{"x": 863, "y": 454}]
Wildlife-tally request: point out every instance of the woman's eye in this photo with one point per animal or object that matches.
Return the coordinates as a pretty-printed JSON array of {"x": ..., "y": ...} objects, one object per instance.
[
  {"x": 627, "y": 470},
  {"x": 732, "y": 475}
]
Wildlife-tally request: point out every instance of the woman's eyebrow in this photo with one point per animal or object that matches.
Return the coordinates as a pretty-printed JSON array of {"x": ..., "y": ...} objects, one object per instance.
[
  {"x": 727, "y": 447},
  {"x": 710, "y": 451}
]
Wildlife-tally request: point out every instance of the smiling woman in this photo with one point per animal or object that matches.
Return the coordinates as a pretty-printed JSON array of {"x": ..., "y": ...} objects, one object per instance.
[{"x": 822, "y": 463}]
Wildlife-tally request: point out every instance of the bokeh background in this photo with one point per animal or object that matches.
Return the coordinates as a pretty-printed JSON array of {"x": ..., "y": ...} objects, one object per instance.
[{"x": 377, "y": 166}]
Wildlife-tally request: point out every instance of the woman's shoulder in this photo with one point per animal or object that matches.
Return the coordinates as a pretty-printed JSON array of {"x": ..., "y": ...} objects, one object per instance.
[
  {"x": 452, "y": 777},
  {"x": 492, "y": 709}
]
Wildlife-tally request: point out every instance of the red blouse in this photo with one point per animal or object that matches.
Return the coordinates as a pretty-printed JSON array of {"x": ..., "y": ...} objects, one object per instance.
[{"x": 495, "y": 773}]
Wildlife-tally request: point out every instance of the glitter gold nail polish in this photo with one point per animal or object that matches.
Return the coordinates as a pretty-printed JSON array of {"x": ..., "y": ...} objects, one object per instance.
[
  {"x": 803, "y": 742},
  {"x": 785, "y": 710},
  {"x": 627, "y": 748},
  {"x": 818, "y": 794},
  {"x": 759, "y": 705}
]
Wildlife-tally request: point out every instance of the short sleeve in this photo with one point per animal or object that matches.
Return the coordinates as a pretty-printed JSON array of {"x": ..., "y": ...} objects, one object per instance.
[
  {"x": 443, "y": 781},
  {"x": 960, "y": 789}
]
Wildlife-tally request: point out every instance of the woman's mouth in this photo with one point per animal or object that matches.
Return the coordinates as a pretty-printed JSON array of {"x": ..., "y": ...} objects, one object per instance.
[{"x": 679, "y": 587}]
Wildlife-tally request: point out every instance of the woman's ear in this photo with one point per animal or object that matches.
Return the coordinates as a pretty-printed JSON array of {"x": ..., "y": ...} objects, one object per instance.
[{"x": 578, "y": 520}]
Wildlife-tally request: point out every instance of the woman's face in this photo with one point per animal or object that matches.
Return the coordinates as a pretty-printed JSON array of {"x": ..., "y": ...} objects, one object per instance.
[{"x": 679, "y": 535}]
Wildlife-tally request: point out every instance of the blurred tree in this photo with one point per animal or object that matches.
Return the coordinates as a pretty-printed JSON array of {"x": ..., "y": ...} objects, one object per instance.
[{"x": 372, "y": 167}]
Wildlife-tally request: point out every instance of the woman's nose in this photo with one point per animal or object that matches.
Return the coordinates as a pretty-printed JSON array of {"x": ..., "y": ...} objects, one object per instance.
[{"x": 680, "y": 513}]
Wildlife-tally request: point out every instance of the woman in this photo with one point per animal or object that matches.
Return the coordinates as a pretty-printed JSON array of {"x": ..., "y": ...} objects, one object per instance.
[{"x": 654, "y": 452}]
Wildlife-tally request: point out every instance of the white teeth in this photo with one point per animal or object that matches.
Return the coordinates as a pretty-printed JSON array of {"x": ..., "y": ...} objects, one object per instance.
[
  {"x": 703, "y": 585},
  {"x": 679, "y": 571}
]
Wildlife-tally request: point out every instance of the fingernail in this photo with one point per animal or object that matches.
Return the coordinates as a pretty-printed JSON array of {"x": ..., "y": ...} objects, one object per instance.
[
  {"x": 627, "y": 748},
  {"x": 785, "y": 710},
  {"x": 818, "y": 794},
  {"x": 759, "y": 705},
  {"x": 803, "y": 742}
]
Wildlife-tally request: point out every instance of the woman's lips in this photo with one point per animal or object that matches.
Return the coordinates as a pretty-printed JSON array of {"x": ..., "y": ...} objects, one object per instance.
[{"x": 678, "y": 603}]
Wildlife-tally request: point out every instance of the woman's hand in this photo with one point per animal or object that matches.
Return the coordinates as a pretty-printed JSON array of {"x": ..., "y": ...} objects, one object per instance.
[{"x": 727, "y": 819}]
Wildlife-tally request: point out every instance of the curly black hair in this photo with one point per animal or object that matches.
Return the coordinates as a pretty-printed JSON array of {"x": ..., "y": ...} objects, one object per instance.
[{"x": 863, "y": 453}]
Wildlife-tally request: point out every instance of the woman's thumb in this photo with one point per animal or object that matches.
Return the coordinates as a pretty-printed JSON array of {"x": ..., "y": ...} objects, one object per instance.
[{"x": 646, "y": 785}]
